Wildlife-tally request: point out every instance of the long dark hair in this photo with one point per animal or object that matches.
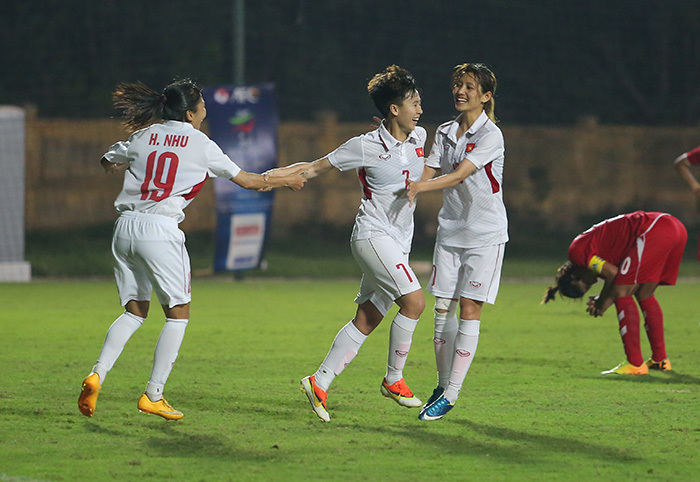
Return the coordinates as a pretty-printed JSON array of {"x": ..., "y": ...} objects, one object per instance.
[
  {"x": 567, "y": 274},
  {"x": 144, "y": 106}
]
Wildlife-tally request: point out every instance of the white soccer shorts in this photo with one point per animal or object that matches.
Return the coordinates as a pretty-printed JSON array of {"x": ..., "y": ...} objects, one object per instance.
[
  {"x": 386, "y": 274},
  {"x": 150, "y": 255},
  {"x": 473, "y": 273}
]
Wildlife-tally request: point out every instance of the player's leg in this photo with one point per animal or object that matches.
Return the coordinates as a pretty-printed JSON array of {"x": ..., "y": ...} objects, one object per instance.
[
  {"x": 478, "y": 284},
  {"x": 443, "y": 284},
  {"x": 400, "y": 339},
  {"x": 628, "y": 321},
  {"x": 164, "y": 252},
  {"x": 654, "y": 326},
  {"x": 134, "y": 291},
  {"x": 389, "y": 278},
  {"x": 345, "y": 346}
]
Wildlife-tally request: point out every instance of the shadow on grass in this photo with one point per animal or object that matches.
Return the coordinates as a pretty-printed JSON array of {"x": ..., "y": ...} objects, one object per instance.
[
  {"x": 671, "y": 378},
  {"x": 518, "y": 447},
  {"x": 176, "y": 440}
]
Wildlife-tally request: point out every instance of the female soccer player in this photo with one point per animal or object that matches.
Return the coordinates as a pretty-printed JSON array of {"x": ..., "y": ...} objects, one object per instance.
[
  {"x": 386, "y": 160},
  {"x": 165, "y": 163},
  {"x": 472, "y": 228},
  {"x": 633, "y": 253}
]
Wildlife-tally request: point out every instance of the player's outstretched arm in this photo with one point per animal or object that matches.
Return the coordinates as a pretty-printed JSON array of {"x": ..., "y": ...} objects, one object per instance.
[
  {"x": 308, "y": 170},
  {"x": 265, "y": 182},
  {"x": 465, "y": 169}
]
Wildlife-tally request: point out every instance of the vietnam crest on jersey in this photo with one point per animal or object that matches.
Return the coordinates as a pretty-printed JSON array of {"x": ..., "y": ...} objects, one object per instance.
[
  {"x": 470, "y": 147},
  {"x": 419, "y": 151}
]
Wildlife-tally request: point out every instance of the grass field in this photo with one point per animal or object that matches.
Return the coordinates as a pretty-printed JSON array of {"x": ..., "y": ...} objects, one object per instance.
[{"x": 534, "y": 406}]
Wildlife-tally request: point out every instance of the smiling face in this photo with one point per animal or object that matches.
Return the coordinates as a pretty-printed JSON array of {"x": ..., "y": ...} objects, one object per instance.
[
  {"x": 198, "y": 115},
  {"x": 467, "y": 94},
  {"x": 408, "y": 113}
]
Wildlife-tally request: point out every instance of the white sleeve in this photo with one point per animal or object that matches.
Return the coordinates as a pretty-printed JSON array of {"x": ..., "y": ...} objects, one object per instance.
[
  {"x": 348, "y": 156},
  {"x": 488, "y": 148},
  {"x": 436, "y": 150},
  {"x": 218, "y": 163},
  {"x": 117, "y": 153}
]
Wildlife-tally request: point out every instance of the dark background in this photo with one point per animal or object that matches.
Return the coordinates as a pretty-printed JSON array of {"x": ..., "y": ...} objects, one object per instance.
[{"x": 620, "y": 62}]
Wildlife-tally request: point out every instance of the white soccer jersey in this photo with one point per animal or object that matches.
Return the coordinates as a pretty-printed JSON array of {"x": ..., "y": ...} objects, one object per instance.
[
  {"x": 168, "y": 164},
  {"x": 473, "y": 214},
  {"x": 384, "y": 166}
]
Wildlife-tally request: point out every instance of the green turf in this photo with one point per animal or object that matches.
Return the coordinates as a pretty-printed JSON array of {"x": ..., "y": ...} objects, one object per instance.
[{"x": 534, "y": 406}]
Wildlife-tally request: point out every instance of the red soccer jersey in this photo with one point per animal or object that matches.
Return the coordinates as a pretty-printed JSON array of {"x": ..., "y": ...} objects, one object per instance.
[
  {"x": 642, "y": 254},
  {"x": 610, "y": 239}
]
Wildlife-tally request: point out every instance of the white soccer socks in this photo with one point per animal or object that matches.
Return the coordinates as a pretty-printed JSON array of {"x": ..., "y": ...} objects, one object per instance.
[
  {"x": 344, "y": 348},
  {"x": 466, "y": 342},
  {"x": 400, "y": 338},
  {"x": 445, "y": 332},
  {"x": 165, "y": 355},
  {"x": 117, "y": 336}
]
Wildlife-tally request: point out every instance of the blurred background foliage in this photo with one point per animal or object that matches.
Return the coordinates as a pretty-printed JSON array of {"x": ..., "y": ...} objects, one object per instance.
[{"x": 621, "y": 62}]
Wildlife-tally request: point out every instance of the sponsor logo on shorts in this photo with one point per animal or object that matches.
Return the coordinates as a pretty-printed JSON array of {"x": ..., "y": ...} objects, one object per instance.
[
  {"x": 475, "y": 284},
  {"x": 439, "y": 341},
  {"x": 401, "y": 353},
  {"x": 463, "y": 353}
]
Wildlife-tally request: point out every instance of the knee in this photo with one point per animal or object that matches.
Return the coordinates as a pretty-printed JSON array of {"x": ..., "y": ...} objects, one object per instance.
[
  {"x": 413, "y": 304},
  {"x": 445, "y": 309},
  {"x": 470, "y": 309}
]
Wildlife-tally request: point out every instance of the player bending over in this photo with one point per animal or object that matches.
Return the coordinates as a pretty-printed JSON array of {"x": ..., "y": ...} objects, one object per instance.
[{"x": 633, "y": 254}]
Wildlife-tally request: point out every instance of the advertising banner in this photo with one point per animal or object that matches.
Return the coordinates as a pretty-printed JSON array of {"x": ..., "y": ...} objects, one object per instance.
[{"x": 243, "y": 121}]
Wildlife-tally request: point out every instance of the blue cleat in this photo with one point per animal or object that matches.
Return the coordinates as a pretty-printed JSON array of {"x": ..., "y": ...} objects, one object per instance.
[
  {"x": 436, "y": 410},
  {"x": 437, "y": 393}
]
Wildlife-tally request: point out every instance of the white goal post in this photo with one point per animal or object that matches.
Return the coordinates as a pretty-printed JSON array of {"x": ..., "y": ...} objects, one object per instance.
[{"x": 13, "y": 267}]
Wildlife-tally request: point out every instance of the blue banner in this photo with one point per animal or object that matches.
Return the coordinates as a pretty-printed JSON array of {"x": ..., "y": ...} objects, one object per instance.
[{"x": 243, "y": 121}]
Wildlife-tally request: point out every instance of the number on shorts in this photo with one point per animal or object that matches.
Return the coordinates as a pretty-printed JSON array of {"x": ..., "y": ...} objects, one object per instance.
[
  {"x": 625, "y": 267},
  {"x": 405, "y": 270},
  {"x": 161, "y": 187}
]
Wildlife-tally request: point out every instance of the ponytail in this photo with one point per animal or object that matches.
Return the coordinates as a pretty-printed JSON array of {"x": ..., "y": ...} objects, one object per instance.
[
  {"x": 564, "y": 283},
  {"x": 144, "y": 106}
]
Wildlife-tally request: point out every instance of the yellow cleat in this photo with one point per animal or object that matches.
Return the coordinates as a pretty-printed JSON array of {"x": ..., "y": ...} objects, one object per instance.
[
  {"x": 663, "y": 365},
  {"x": 88, "y": 396},
  {"x": 161, "y": 408},
  {"x": 626, "y": 368},
  {"x": 316, "y": 396}
]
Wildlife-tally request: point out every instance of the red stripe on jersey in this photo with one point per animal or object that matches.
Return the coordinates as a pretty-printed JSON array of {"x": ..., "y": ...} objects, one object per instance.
[
  {"x": 495, "y": 187},
  {"x": 195, "y": 189},
  {"x": 363, "y": 179}
]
